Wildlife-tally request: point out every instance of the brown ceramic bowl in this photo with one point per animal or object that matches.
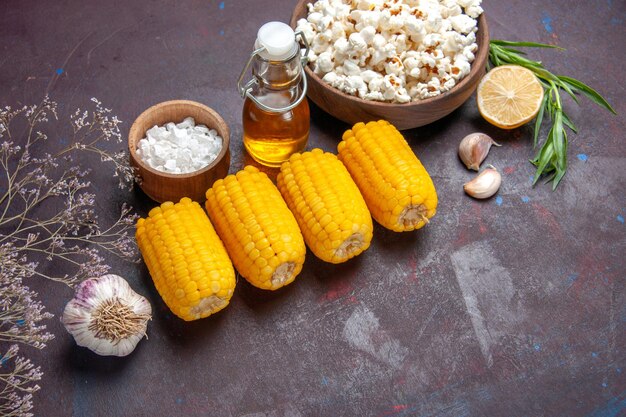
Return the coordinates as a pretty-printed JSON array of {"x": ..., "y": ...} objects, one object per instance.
[
  {"x": 161, "y": 186},
  {"x": 352, "y": 109}
]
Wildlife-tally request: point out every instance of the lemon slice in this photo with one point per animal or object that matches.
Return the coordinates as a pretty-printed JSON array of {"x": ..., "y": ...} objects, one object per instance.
[{"x": 509, "y": 96}]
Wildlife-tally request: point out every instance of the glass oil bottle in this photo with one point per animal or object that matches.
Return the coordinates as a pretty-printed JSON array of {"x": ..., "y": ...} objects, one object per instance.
[{"x": 275, "y": 113}]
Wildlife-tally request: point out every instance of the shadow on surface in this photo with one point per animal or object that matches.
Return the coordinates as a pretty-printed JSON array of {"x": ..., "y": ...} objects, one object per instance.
[
  {"x": 390, "y": 242},
  {"x": 84, "y": 360},
  {"x": 262, "y": 301},
  {"x": 142, "y": 203},
  {"x": 325, "y": 125},
  {"x": 328, "y": 274}
]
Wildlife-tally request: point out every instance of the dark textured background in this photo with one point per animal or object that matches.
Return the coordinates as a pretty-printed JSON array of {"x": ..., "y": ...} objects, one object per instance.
[{"x": 514, "y": 306}]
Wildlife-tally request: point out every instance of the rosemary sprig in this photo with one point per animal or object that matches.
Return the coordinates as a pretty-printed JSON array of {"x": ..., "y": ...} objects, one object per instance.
[{"x": 551, "y": 159}]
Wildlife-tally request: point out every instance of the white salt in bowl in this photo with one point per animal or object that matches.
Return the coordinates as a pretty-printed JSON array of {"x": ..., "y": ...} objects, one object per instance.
[{"x": 161, "y": 186}]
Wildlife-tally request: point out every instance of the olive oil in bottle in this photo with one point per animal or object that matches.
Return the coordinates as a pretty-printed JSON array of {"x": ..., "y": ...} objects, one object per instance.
[
  {"x": 270, "y": 138},
  {"x": 275, "y": 112}
]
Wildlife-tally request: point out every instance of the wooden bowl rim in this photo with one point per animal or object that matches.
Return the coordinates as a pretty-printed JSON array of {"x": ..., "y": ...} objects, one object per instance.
[
  {"x": 133, "y": 133},
  {"x": 480, "y": 59}
]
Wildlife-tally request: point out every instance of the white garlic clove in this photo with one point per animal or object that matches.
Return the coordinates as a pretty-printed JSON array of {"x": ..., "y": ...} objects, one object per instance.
[
  {"x": 474, "y": 148},
  {"x": 107, "y": 316},
  {"x": 485, "y": 184}
]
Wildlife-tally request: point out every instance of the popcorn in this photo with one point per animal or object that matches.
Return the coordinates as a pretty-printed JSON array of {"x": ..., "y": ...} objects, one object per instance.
[
  {"x": 393, "y": 50},
  {"x": 452, "y": 43},
  {"x": 307, "y": 28},
  {"x": 324, "y": 63},
  {"x": 468, "y": 53},
  {"x": 338, "y": 32},
  {"x": 380, "y": 55},
  {"x": 394, "y": 66},
  {"x": 434, "y": 21},
  {"x": 368, "y": 18},
  {"x": 368, "y": 76},
  {"x": 449, "y": 83},
  {"x": 355, "y": 85},
  {"x": 331, "y": 78},
  {"x": 463, "y": 23},
  {"x": 368, "y": 33},
  {"x": 394, "y": 91},
  {"x": 357, "y": 43},
  {"x": 415, "y": 28},
  {"x": 350, "y": 68},
  {"x": 342, "y": 47},
  {"x": 460, "y": 68},
  {"x": 451, "y": 9},
  {"x": 374, "y": 96},
  {"x": 474, "y": 11},
  {"x": 432, "y": 40},
  {"x": 472, "y": 7},
  {"x": 376, "y": 85},
  {"x": 379, "y": 41},
  {"x": 315, "y": 19}
]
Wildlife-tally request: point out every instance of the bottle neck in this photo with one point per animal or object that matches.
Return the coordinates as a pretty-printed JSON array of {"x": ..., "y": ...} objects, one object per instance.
[{"x": 277, "y": 74}]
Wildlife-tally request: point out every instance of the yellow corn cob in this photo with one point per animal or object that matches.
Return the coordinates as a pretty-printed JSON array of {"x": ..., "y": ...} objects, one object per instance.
[
  {"x": 328, "y": 206},
  {"x": 259, "y": 232},
  {"x": 395, "y": 185},
  {"x": 186, "y": 259}
]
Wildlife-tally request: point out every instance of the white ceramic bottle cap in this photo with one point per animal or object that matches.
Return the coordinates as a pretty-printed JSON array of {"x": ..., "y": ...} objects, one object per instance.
[{"x": 278, "y": 39}]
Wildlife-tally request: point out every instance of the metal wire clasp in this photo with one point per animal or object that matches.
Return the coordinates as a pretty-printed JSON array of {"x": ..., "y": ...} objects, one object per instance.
[{"x": 245, "y": 90}]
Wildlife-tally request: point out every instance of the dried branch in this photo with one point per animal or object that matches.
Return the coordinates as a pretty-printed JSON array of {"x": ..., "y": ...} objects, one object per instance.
[{"x": 48, "y": 218}]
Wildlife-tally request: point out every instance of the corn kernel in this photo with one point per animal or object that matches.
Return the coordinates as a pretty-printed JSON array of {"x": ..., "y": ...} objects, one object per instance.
[
  {"x": 180, "y": 246},
  {"x": 325, "y": 201},
  {"x": 397, "y": 189},
  {"x": 249, "y": 203}
]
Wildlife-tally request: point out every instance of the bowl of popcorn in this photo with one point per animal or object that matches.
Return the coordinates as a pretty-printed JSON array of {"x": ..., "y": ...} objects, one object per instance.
[
  {"x": 178, "y": 149},
  {"x": 405, "y": 61}
]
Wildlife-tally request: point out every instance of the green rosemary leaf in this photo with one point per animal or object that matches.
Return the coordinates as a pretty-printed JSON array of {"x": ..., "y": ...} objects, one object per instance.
[
  {"x": 525, "y": 44},
  {"x": 552, "y": 103},
  {"x": 592, "y": 94},
  {"x": 512, "y": 58},
  {"x": 564, "y": 154},
  {"x": 568, "y": 122},
  {"x": 539, "y": 119},
  {"x": 556, "y": 179},
  {"x": 496, "y": 60},
  {"x": 543, "y": 158},
  {"x": 562, "y": 165},
  {"x": 551, "y": 161},
  {"x": 558, "y": 138},
  {"x": 511, "y": 51},
  {"x": 568, "y": 89},
  {"x": 541, "y": 72}
]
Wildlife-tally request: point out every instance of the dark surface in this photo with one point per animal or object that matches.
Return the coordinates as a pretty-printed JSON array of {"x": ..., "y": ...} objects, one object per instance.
[{"x": 514, "y": 306}]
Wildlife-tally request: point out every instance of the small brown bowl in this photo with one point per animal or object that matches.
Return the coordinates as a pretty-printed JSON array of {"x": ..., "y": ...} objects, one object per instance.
[
  {"x": 352, "y": 109},
  {"x": 161, "y": 186}
]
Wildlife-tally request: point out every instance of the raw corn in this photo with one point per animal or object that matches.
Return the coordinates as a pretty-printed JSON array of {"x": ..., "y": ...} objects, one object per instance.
[
  {"x": 258, "y": 230},
  {"x": 395, "y": 185},
  {"x": 186, "y": 259},
  {"x": 328, "y": 206}
]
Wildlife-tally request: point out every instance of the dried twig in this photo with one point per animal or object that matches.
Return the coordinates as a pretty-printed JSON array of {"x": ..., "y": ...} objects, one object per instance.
[{"x": 32, "y": 239}]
